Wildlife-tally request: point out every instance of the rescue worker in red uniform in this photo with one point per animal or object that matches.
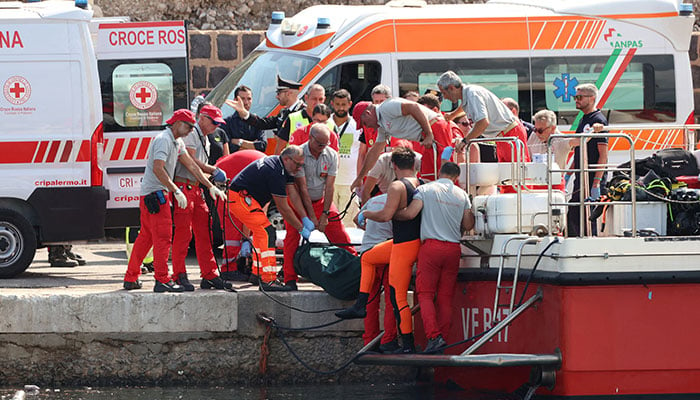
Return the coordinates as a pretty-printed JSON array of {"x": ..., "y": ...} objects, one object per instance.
[
  {"x": 445, "y": 213},
  {"x": 252, "y": 189},
  {"x": 234, "y": 265},
  {"x": 165, "y": 151},
  {"x": 195, "y": 217},
  {"x": 400, "y": 252}
]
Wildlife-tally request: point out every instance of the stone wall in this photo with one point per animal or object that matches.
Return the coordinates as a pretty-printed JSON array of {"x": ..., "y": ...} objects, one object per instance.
[
  {"x": 221, "y": 14},
  {"x": 213, "y": 54}
]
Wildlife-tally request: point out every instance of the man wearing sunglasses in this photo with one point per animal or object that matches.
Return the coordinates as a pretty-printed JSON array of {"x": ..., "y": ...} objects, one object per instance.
[
  {"x": 314, "y": 183},
  {"x": 268, "y": 179},
  {"x": 597, "y": 152},
  {"x": 546, "y": 126}
]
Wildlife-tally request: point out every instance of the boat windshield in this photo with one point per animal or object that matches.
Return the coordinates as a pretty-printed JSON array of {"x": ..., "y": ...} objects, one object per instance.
[{"x": 259, "y": 72}]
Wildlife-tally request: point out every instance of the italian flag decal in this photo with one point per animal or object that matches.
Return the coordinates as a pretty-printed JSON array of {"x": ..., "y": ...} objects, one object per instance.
[{"x": 609, "y": 77}]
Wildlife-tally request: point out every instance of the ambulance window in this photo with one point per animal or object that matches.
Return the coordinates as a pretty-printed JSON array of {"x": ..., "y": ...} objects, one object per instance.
[
  {"x": 259, "y": 71},
  {"x": 143, "y": 94},
  {"x": 643, "y": 92},
  {"x": 357, "y": 77},
  {"x": 505, "y": 78}
]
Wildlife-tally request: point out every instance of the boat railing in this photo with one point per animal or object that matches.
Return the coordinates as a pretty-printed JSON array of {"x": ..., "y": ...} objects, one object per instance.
[{"x": 583, "y": 170}]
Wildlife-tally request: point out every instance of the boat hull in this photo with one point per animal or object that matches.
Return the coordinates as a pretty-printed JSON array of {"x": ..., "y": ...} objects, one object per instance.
[{"x": 615, "y": 339}]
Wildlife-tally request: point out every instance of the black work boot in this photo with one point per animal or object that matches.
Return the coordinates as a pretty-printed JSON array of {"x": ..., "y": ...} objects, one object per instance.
[
  {"x": 74, "y": 256},
  {"x": 58, "y": 257},
  {"x": 184, "y": 282},
  {"x": 357, "y": 310},
  {"x": 389, "y": 347},
  {"x": 407, "y": 345},
  {"x": 171, "y": 286},
  {"x": 435, "y": 345},
  {"x": 133, "y": 285},
  {"x": 215, "y": 283}
]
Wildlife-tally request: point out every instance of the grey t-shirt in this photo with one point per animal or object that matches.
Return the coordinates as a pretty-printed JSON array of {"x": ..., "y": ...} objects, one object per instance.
[
  {"x": 375, "y": 232},
  {"x": 479, "y": 103},
  {"x": 444, "y": 205},
  {"x": 393, "y": 123},
  {"x": 197, "y": 141},
  {"x": 317, "y": 170},
  {"x": 163, "y": 147}
]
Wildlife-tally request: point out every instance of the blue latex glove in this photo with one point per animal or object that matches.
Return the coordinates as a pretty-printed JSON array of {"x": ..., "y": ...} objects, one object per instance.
[
  {"x": 595, "y": 193},
  {"x": 308, "y": 224},
  {"x": 305, "y": 233},
  {"x": 447, "y": 153},
  {"x": 566, "y": 179},
  {"x": 361, "y": 218},
  {"x": 245, "y": 249},
  {"x": 219, "y": 175}
]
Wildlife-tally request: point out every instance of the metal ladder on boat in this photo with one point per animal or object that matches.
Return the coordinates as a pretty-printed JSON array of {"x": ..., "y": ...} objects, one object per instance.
[{"x": 525, "y": 240}]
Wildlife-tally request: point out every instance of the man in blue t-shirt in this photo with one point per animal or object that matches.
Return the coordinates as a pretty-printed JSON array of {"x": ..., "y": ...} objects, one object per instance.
[
  {"x": 253, "y": 188},
  {"x": 597, "y": 153}
]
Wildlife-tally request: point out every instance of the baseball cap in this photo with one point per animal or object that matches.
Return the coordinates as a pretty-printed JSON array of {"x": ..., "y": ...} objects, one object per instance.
[
  {"x": 212, "y": 112},
  {"x": 182, "y": 114},
  {"x": 360, "y": 107}
]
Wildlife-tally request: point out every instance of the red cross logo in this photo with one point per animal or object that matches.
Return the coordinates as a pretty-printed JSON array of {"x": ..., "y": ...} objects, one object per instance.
[
  {"x": 143, "y": 95},
  {"x": 17, "y": 90}
]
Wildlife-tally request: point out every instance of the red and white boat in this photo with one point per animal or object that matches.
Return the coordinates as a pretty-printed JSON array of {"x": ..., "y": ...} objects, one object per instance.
[{"x": 614, "y": 314}]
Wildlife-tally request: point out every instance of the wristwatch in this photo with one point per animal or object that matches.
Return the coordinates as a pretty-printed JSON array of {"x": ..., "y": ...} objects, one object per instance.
[{"x": 326, "y": 212}]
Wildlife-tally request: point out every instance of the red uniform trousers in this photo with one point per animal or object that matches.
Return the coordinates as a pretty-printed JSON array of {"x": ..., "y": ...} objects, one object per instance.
[
  {"x": 232, "y": 237},
  {"x": 438, "y": 264},
  {"x": 443, "y": 138},
  {"x": 504, "y": 150},
  {"x": 247, "y": 210},
  {"x": 194, "y": 218},
  {"x": 335, "y": 232},
  {"x": 375, "y": 273},
  {"x": 157, "y": 232}
]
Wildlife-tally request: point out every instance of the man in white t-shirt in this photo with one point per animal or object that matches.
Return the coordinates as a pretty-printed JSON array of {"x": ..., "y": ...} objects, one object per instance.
[
  {"x": 545, "y": 126},
  {"x": 348, "y": 151}
]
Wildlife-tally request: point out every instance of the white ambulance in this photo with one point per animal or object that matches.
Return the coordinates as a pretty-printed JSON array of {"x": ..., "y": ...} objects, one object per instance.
[
  {"x": 77, "y": 113},
  {"x": 535, "y": 51}
]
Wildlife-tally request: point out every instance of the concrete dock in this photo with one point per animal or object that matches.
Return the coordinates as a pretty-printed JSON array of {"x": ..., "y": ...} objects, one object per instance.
[{"x": 77, "y": 326}]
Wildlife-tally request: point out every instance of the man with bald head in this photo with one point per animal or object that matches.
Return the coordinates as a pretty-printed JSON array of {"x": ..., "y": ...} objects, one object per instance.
[
  {"x": 269, "y": 178},
  {"x": 314, "y": 183}
]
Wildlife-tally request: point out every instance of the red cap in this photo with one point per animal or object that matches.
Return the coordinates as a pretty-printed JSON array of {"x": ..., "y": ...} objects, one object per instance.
[
  {"x": 360, "y": 107},
  {"x": 182, "y": 114},
  {"x": 213, "y": 112}
]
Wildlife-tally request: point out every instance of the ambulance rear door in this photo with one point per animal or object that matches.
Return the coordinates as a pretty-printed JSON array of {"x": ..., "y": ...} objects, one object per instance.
[{"x": 143, "y": 70}]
